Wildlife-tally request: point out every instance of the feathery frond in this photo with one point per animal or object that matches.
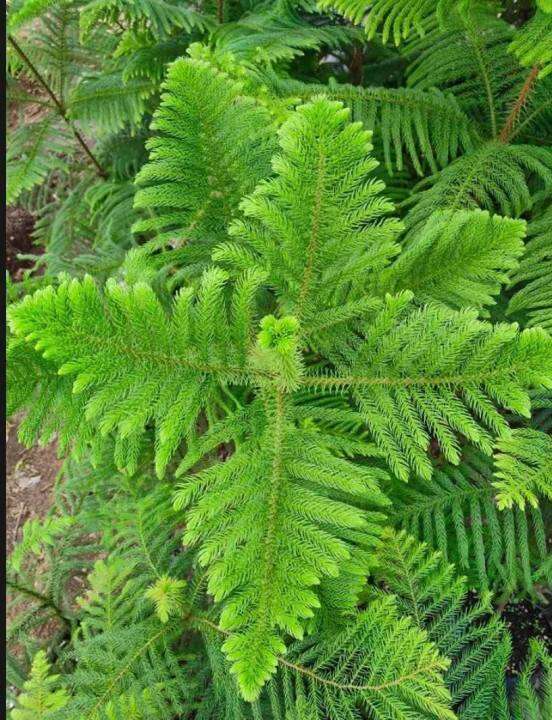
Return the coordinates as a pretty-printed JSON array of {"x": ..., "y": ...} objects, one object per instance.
[
  {"x": 318, "y": 241},
  {"x": 382, "y": 664},
  {"x": 109, "y": 102},
  {"x": 427, "y": 589},
  {"x": 474, "y": 65},
  {"x": 523, "y": 468},
  {"x": 41, "y": 692},
  {"x": 396, "y": 19},
  {"x": 275, "y": 32},
  {"x": 34, "y": 152},
  {"x": 213, "y": 145},
  {"x": 417, "y": 374},
  {"x": 160, "y": 17},
  {"x": 532, "y": 45},
  {"x": 459, "y": 258},
  {"x": 532, "y": 299},
  {"x": 177, "y": 361},
  {"x": 423, "y": 127},
  {"x": 456, "y": 513},
  {"x": 504, "y": 179},
  {"x": 529, "y": 702},
  {"x": 305, "y": 525},
  {"x": 123, "y": 667}
]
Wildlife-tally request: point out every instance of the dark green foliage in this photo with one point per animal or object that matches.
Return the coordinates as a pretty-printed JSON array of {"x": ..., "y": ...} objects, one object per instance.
[
  {"x": 532, "y": 281},
  {"x": 430, "y": 592},
  {"x": 456, "y": 513}
]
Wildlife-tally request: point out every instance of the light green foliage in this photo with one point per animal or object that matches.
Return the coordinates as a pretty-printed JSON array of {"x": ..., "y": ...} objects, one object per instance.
[
  {"x": 421, "y": 373},
  {"x": 277, "y": 352},
  {"x": 265, "y": 373},
  {"x": 290, "y": 521},
  {"x": 318, "y": 229},
  {"x": 36, "y": 535},
  {"x": 212, "y": 145},
  {"x": 277, "y": 31},
  {"x": 267, "y": 548},
  {"x": 459, "y": 258},
  {"x": 166, "y": 595},
  {"x": 396, "y": 19},
  {"x": 533, "y": 45},
  {"x": 523, "y": 468},
  {"x": 129, "y": 362},
  {"x": 382, "y": 664},
  {"x": 158, "y": 17},
  {"x": 41, "y": 692},
  {"x": 25, "y": 11}
]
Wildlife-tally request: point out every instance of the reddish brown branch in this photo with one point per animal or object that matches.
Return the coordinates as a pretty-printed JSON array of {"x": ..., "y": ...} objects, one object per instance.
[
  {"x": 517, "y": 107},
  {"x": 58, "y": 104}
]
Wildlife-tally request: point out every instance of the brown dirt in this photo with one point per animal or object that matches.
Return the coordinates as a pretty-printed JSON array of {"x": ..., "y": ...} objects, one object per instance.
[
  {"x": 526, "y": 620},
  {"x": 30, "y": 477},
  {"x": 19, "y": 226}
]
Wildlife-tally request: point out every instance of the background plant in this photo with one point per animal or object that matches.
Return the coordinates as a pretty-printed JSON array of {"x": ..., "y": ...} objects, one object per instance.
[{"x": 285, "y": 244}]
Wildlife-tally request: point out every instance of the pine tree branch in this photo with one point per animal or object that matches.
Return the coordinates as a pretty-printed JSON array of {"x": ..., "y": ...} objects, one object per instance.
[
  {"x": 350, "y": 687},
  {"x": 507, "y": 131},
  {"x": 59, "y": 105},
  {"x": 201, "y": 367},
  {"x": 274, "y": 497},
  {"x": 113, "y": 684},
  {"x": 42, "y": 599},
  {"x": 314, "y": 238},
  {"x": 474, "y": 37},
  {"x": 360, "y": 381}
]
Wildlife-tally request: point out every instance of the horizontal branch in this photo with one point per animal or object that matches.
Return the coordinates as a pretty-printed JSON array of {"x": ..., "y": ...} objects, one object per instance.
[
  {"x": 350, "y": 687},
  {"x": 352, "y": 381}
]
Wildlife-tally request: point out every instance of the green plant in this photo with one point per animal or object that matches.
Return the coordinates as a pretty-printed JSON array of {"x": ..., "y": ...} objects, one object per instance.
[{"x": 278, "y": 368}]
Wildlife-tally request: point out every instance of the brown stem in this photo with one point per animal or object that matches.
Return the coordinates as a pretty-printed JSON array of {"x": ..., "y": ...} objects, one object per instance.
[
  {"x": 511, "y": 120},
  {"x": 59, "y": 105},
  {"x": 220, "y": 11},
  {"x": 356, "y": 66}
]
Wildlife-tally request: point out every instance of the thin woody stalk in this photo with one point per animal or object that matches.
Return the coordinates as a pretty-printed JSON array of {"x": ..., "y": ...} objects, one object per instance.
[
  {"x": 59, "y": 105},
  {"x": 507, "y": 131}
]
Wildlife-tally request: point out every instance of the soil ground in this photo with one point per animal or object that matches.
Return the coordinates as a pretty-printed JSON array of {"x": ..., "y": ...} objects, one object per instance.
[
  {"x": 30, "y": 473},
  {"x": 30, "y": 476},
  {"x": 19, "y": 226},
  {"x": 526, "y": 620}
]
